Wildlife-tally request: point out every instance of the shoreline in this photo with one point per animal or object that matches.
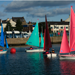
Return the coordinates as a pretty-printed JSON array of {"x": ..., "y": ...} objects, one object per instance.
[
  {"x": 23, "y": 45},
  {"x": 21, "y": 42}
]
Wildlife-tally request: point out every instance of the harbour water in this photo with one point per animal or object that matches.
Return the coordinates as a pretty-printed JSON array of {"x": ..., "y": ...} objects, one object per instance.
[{"x": 23, "y": 63}]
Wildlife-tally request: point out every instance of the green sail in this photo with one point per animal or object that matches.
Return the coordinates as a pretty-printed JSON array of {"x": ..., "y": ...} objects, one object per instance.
[
  {"x": 34, "y": 38},
  {"x": 42, "y": 41}
]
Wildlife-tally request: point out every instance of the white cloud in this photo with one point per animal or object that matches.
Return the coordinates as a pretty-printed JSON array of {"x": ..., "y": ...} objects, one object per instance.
[
  {"x": 41, "y": 12},
  {"x": 2, "y": 14}
]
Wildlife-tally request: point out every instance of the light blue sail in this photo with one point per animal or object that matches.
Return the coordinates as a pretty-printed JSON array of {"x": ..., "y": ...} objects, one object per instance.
[
  {"x": 2, "y": 36},
  {"x": 34, "y": 38},
  {"x": 42, "y": 41},
  {"x": 6, "y": 43}
]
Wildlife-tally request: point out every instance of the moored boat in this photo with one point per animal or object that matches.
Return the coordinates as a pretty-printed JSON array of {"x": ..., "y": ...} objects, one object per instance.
[
  {"x": 3, "y": 50},
  {"x": 47, "y": 42},
  {"x": 65, "y": 46},
  {"x": 34, "y": 41}
]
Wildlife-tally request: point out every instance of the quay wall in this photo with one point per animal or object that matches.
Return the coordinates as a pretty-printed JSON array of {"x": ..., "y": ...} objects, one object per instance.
[{"x": 18, "y": 41}]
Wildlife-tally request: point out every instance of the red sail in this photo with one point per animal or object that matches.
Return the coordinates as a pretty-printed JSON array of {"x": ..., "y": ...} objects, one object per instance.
[{"x": 47, "y": 41}]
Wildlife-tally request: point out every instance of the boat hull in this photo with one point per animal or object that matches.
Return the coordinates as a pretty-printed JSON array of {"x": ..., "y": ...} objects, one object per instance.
[
  {"x": 50, "y": 55},
  {"x": 35, "y": 50},
  {"x": 3, "y": 52},
  {"x": 71, "y": 56}
]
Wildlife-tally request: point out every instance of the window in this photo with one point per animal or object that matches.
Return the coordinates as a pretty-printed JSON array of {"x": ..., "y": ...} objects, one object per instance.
[
  {"x": 66, "y": 27},
  {"x": 51, "y": 27},
  {"x": 57, "y": 27},
  {"x": 61, "y": 27}
]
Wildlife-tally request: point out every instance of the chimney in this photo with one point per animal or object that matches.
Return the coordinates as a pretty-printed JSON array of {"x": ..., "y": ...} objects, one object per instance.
[{"x": 61, "y": 20}]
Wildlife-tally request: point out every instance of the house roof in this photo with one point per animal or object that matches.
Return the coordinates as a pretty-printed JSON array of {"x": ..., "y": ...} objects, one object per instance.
[
  {"x": 21, "y": 19},
  {"x": 16, "y": 18},
  {"x": 4, "y": 21},
  {"x": 68, "y": 19},
  {"x": 0, "y": 21},
  {"x": 57, "y": 23}
]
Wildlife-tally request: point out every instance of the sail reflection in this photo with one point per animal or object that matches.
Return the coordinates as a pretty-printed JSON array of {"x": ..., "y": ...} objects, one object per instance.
[{"x": 67, "y": 67}]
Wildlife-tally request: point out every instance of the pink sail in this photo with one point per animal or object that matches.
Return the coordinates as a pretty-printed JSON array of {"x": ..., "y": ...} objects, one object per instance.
[
  {"x": 72, "y": 31},
  {"x": 64, "y": 44}
]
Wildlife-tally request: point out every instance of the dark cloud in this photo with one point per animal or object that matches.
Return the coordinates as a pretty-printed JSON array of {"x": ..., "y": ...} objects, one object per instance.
[
  {"x": 39, "y": 8},
  {"x": 17, "y": 6}
]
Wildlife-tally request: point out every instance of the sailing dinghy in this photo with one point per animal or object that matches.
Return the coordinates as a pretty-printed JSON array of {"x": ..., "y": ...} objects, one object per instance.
[
  {"x": 34, "y": 40},
  {"x": 3, "y": 51},
  {"x": 47, "y": 42},
  {"x": 65, "y": 47}
]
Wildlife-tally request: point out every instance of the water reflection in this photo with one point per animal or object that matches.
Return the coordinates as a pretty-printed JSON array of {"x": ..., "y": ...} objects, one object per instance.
[
  {"x": 35, "y": 63},
  {"x": 23, "y": 63},
  {"x": 2, "y": 64},
  {"x": 35, "y": 56},
  {"x": 52, "y": 66},
  {"x": 67, "y": 67}
]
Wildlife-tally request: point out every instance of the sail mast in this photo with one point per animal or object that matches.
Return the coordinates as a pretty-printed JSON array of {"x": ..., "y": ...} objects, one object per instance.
[{"x": 69, "y": 26}]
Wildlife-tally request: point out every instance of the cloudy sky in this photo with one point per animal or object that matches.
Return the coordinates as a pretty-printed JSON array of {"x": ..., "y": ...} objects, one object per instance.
[{"x": 32, "y": 10}]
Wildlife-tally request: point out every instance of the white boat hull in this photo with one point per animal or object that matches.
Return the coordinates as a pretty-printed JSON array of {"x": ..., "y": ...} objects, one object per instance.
[
  {"x": 3, "y": 52},
  {"x": 70, "y": 56},
  {"x": 35, "y": 50},
  {"x": 50, "y": 55}
]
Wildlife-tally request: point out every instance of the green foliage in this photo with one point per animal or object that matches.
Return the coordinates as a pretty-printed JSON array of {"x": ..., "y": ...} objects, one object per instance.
[
  {"x": 49, "y": 29},
  {"x": 42, "y": 27},
  {"x": 19, "y": 26},
  {"x": 8, "y": 27}
]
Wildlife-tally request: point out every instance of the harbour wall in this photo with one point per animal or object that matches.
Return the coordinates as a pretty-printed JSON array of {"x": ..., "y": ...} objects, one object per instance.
[{"x": 22, "y": 41}]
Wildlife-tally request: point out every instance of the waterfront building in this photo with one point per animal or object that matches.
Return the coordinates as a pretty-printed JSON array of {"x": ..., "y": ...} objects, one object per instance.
[
  {"x": 26, "y": 27},
  {"x": 4, "y": 23},
  {"x": 59, "y": 26}
]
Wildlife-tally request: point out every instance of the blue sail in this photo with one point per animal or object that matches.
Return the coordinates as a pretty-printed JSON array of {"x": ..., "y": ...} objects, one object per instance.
[
  {"x": 42, "y": 41},
  {"x": 34, "y": 38},
  {"x": 2, "y": 36},
  {"x": 6, "y": 43}
]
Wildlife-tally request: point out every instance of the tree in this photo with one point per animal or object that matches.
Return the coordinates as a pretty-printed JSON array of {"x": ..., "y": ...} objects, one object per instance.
[
  {"x": 41, "y": 27},
  {"x": 19, "y": 26},
  {"x": 50, "y": 30},
  {"x": 8, "y": 27}
]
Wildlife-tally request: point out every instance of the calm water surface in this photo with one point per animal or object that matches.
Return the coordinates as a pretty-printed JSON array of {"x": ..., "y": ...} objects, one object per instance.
[{"x": 23, "y": 63}]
